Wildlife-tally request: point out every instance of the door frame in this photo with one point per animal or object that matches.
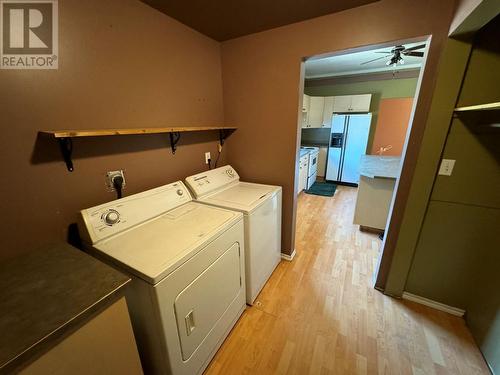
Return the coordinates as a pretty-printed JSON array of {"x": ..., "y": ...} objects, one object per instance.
[{"x": 409, "y": 157}]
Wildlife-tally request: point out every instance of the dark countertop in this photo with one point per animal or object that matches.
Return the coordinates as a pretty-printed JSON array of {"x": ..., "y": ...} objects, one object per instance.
[
  {"x": 375, "y": 166},
  {"x": 314, "y": 144},
  {"x": 45, "y": 293}
]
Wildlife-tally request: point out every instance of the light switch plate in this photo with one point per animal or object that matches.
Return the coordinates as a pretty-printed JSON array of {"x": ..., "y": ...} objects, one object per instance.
[
  {"x": 207, "y": 157},
  {"x": 446, "y": 168}
]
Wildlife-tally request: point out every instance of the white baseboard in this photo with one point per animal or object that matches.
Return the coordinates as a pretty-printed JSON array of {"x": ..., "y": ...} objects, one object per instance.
[
  {"x": 436, "y": 305},
  {"x": 288, "y": 257}
]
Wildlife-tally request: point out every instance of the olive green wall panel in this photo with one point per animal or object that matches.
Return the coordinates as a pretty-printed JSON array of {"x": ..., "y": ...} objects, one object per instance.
[
  {"x": 453, "y": 244},
  {"x": 476, "y": 175}
]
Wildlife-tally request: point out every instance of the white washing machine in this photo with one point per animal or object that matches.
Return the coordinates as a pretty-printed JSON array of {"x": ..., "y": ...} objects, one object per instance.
[
  {"x": 186, "y": 261},
  {"x": 261, "y": 207}
]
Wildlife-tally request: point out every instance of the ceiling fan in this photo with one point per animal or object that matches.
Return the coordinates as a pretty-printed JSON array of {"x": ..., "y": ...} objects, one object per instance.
[{"x": 396, "y": 54}]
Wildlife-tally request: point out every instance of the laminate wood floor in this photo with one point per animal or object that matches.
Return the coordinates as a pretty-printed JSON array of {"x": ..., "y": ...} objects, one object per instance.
[{"x": 320, "y": 315}]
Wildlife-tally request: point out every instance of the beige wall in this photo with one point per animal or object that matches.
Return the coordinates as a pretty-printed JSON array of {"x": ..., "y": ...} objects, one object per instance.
[
  {"x": 263, "y": 84},
  {"x": 122, "y": 64}
]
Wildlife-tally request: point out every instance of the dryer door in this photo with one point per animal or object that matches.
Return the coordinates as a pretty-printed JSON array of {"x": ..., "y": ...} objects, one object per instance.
[{"x": 203, "y": 302}]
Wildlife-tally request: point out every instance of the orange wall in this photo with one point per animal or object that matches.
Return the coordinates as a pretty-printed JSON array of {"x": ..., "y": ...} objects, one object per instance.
[
  {"x": 122, "y": 64},
  {"x": 263, "y": 83},
  {"x": 392, "y": 123}
]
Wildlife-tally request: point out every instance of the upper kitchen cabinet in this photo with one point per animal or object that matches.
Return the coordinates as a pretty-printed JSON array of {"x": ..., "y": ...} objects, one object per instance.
[
  {"x": 320, "y": 112},
  {"x": 352, "y": 103},
  {"x": 315, "y": 114},
  {"x": 328, "y": 112},
  {"x": 305, "y": 103}
]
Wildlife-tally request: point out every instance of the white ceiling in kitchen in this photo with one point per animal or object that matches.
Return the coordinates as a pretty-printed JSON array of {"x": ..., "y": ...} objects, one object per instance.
[{"x": 350, "y": 64}]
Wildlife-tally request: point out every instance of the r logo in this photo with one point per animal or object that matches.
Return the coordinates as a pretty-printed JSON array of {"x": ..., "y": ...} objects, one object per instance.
[{"x": 29, "y": 34}]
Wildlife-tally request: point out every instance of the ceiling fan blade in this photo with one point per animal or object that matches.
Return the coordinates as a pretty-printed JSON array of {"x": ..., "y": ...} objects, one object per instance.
[
  {"x": 419, "y": 54},
  {"x": 414, "y": 48},
  {"x": 369, "y": 61}
]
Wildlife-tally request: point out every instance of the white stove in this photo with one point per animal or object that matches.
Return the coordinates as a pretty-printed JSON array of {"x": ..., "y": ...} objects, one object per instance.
[{"x": 313, "y": 165}]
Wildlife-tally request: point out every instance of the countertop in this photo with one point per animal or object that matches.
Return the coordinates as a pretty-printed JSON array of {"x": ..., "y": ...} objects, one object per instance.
[
  {"x": 315, "y": 144},
  {"x": 303, "y": 152},
  {"x": 45, "y": 294},
  {"x": 374, "y": 166}
]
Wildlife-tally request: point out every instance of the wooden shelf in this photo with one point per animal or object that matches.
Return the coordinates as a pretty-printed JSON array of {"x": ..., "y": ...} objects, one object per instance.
[
  {"x": 64, "y": 137},
  {"x": 70, "y": 133},
  {"x": 479, "y": 107}
]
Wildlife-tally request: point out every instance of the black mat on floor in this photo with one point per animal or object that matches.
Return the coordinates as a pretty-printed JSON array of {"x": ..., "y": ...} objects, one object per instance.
[{"x": 325, "y": 189}]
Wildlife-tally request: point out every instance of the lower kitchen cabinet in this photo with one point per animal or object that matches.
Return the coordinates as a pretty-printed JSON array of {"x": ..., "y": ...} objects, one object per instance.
[
  {"x": 322, "y": 158},
  {"x": 103, "y": 345}
]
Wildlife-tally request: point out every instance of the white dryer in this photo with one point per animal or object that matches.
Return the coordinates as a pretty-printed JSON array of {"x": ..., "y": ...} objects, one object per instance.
[
  {"x": 186, "y": 261},
  {"x": 261, "y": 206}
]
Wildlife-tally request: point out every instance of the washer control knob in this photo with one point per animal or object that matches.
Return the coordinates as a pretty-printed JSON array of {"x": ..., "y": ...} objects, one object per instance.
[
  {"x": 111, "y": 217},
  {"x": 180, "y": 192}
]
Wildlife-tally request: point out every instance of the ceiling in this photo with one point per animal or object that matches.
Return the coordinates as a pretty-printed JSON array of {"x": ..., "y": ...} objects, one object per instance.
[
  {"x": 227, "y": 19},
  {"x": 349, "y": 64}
]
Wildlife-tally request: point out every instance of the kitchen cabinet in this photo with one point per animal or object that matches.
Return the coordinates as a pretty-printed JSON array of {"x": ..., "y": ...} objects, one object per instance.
[
  {"x": 319, "y": 112},
  {"x": 352, "y": 103},
  {"x": 315, "y": 114},
  {"x": 303, "y": 167},
  {"x": 305, "y": 103},
  {"x": 306, "y": 99},
  {"x": 328, "y": 112},
  {"x": 322, "y": 157}
]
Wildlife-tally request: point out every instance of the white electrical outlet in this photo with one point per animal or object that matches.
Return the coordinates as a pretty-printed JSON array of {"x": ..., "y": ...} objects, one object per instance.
[
  {"x": 207, "y": 157},
  {"x": 446, "y": 168},
  {"x": 112, "y": 174}
]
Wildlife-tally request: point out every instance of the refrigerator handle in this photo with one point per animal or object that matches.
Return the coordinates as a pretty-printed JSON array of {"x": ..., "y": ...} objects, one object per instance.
[{"x": 344, "y": 143}]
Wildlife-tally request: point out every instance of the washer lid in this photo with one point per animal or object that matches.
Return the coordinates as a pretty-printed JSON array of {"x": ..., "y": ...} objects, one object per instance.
[
  {"x": 243, "y": 196},
  {"x": 154, "y": 249}
]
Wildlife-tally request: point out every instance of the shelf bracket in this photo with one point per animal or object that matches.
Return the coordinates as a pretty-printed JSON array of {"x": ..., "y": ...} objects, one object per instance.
[
  {"x": 66, "y": 146},
  {"x": 222, "y": 137},
  {"x": 174, "y": 139}
]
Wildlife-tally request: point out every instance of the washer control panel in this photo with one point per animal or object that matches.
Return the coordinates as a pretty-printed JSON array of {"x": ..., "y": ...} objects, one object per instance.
[
  {"x": 108, "y": 219},
  {"x": 205, "y": 183}
]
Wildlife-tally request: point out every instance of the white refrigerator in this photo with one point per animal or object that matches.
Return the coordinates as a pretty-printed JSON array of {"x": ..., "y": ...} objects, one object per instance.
[{"x": 348, "y": 141}]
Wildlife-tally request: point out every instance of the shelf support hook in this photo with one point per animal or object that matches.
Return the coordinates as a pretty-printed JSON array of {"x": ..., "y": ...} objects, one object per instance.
[
  {"x": 66, "y": 146},
  {"x": 174, "y": 139},
  {"x": 222, "y": 137}
]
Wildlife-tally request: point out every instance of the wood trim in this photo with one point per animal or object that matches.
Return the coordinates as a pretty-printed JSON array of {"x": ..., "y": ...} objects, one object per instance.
[
  {"x": 434, "y": 304},
  {"x": 363, "y": 228},
  {"x": 479, "y": 107},
  {"x": 378, "y": 76},
  {"x": 287, "y": 257},
  {"x": 67, "y": 133}
]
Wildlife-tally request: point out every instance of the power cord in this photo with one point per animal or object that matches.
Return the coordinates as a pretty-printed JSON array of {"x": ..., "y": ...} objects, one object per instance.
[
  {"x": 118, "y": 185},
  {"x": 219, "y": 148}
]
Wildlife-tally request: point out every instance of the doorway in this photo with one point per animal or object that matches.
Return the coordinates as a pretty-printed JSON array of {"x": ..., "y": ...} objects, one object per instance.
[{"x": 355, "y": 121}]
